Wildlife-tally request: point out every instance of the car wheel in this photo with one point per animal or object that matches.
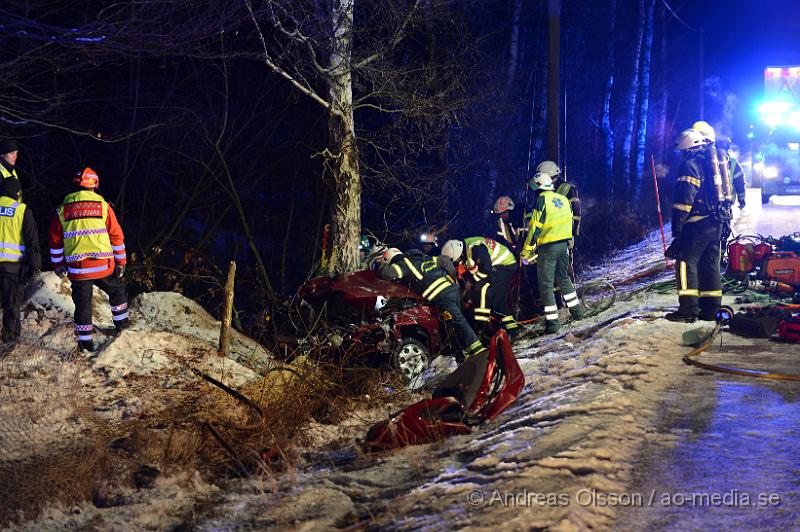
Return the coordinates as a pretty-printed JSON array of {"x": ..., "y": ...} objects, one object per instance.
[
  {"x": 764, "y": 198},
  {"x": 411, "y": 357}
]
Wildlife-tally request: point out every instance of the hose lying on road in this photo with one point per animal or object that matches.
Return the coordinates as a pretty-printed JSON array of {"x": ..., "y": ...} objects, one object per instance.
[{"x": 691, "y": 358}]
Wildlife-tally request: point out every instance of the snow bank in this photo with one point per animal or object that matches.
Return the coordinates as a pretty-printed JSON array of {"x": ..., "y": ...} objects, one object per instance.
[{"x": 167, "y": 330}]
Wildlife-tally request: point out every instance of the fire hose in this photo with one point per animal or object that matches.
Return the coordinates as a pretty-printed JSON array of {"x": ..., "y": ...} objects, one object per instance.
[{"x": 691, "y": 358}]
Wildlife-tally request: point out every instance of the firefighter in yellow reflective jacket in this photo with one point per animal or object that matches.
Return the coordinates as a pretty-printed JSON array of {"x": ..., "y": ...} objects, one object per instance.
[
  {"x": 549, "y": 231},
  {"x": 19, "y": 255},
  {"x": 492, "y": 265},
  {"x": 432, "y": 277}
]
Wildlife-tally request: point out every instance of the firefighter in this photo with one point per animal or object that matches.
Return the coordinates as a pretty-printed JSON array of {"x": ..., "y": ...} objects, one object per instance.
[
  {"x": 507, "y": 233},
  {"x": 492, "y": 266},
  {"x": 87, "y": 244},
  {"x": 429, "y": 244},
  {"x": 20, "y": 259},
  {"x": 725, "y": 151},
  {"x": 8, "y": 158},
  {"x": 429, "y": 277},
  {"x": 728, "y": 165},
  {"x": 700, "y": 212},
  {"x": 549, "y": 231}
]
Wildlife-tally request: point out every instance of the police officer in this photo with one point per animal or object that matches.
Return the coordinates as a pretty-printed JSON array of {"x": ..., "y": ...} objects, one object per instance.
[
  {"x": 428, "y": 276},
  {"x": 700, "y": 212},
  {"x": 492, "y": 266},
  {"x": 20, "y": 259},
  {"x": 8, "y": 158},
  {"x": 549, "y": 231},
  {"x": 87, "y": 244}
]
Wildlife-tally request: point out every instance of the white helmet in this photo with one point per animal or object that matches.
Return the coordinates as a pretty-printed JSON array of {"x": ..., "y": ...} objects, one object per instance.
[
  {"x": 706, "y": 130},
  {"x": 542, "y": 181},
  {"x": 388, "y": 255},
  {"x": 453, "y": 249},
  {"x": 548, "y": 167},
  {"x": 689, "y": 139}
]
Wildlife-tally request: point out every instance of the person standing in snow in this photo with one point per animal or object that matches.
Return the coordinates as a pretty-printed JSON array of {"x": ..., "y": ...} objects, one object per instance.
[
  {"x": 701, "y": 210},
  {"x": 20, "y": 259},
  {"x": 549, "y": 231},
  {"x": 87, "y": 244}
]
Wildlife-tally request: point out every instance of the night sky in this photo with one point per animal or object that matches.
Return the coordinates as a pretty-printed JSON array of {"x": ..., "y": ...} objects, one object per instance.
[{"x": 741, "y": 38}]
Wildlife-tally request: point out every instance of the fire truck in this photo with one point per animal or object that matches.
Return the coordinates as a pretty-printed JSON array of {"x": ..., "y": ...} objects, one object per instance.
[{"x": 776, "y": 152}]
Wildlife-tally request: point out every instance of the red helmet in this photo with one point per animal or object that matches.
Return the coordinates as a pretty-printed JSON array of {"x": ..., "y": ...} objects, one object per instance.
[
  {"x": 503, "y": 204},
  {"x": 86, "y": 178}
]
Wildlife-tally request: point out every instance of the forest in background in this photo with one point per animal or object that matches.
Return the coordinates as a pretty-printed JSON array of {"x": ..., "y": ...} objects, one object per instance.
[{"x": 238, "y": 130}]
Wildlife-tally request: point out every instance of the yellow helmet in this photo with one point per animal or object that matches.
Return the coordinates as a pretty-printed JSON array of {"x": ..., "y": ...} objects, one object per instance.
[{"x": 706, "y": 129}]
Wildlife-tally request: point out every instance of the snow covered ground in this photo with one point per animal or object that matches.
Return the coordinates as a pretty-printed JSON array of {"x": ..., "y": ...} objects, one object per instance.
[{"x": 608, "y": 425}]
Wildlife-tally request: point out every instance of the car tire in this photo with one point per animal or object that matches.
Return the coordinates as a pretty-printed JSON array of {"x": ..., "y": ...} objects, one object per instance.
[{"x": 411, "y": 357}]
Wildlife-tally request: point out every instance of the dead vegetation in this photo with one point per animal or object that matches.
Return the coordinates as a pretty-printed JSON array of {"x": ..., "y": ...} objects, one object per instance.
[{"x": 70, "y": 436}]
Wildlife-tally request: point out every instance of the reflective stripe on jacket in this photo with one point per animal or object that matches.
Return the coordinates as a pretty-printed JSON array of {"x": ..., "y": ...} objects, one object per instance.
[
  {"x": 12, "y": 246},
  {"x": 500, "y": 254},
  {"x": 551, "y": 222},
  {"x": 83, "y": 217}
]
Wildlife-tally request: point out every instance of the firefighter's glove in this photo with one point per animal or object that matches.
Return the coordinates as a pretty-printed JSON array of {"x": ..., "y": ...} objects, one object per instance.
[
  {"x": 119, "y": 271},
  {"x": 61, "y": 271},
  {"x": 673, "y": 251}
]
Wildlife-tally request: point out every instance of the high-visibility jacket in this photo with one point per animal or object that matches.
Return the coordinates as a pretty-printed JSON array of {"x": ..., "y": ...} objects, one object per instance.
[
  {"x": 5, "y": 172},
  {"x": 423, "y": 274},
  {"x": 85, "y": 234},
  {"x": 551, "y": 222},
  {"x": 570, "y": 191},
  {"x": 483, "y": 254},
  {"x": 12, "y": 245}
]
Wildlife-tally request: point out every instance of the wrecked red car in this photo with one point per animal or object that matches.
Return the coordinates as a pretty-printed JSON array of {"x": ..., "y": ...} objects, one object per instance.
[{"x": 361, "y": 314}]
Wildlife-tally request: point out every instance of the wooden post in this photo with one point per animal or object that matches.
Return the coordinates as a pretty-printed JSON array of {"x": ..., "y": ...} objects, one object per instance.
[{"x": 227, "y": 313}]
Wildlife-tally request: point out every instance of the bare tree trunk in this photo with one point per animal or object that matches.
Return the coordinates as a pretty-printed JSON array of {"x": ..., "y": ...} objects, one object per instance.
[
  {"x": 343, "y": 152},
  {"x": 644, "y": 100},
  {"x": 633, "y": 93},
  {"x": 608, "y": 131}
]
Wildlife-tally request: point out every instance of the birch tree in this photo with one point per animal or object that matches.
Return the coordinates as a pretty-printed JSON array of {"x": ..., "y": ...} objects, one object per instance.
[
  {"x": 644, "y": 101},
  {"x": 630, "y": 108}
]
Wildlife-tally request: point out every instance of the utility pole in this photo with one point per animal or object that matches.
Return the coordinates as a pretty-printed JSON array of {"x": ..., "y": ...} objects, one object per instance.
[
  {"x": 702, "y": 74},
  {"x": 553, "y": 76}
]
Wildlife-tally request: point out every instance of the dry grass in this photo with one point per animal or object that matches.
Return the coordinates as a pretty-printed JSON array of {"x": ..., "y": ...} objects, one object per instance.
[
  {"x": 51, "y": 447},
  {"x": 56, "y": 449}
]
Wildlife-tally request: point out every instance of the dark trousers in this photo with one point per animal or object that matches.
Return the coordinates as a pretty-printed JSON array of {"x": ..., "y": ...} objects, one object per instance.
[
  {"x": 449, "y": 300},
  {"x": 10, "y": 301},
  {"x": 494, "y": 299},
  {"x": 697, "y": 271},
  {"x": 82, "y": 297},
  {"x": 552, "y": 267}
]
